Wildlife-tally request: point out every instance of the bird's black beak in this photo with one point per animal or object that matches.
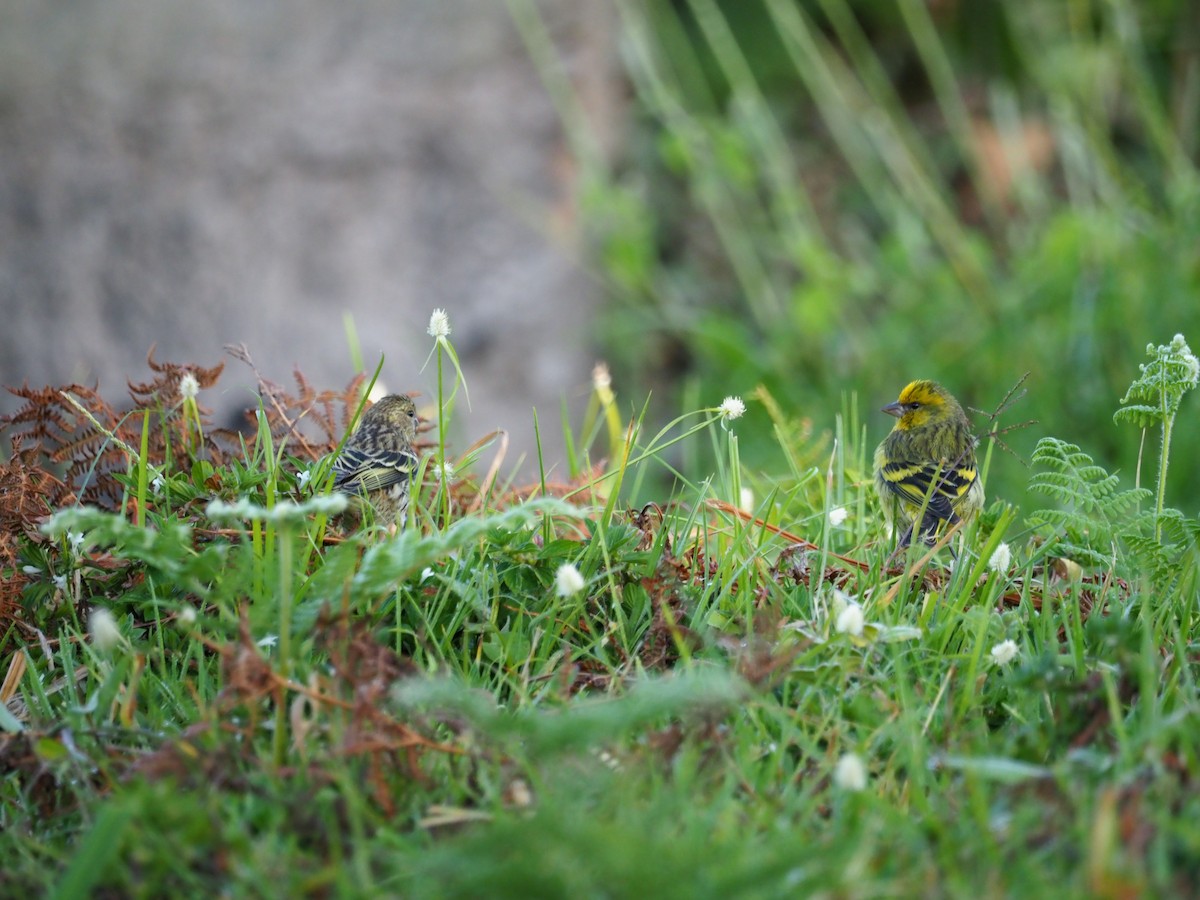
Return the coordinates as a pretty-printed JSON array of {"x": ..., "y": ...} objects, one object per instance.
[{"x": 894, "y": 409}]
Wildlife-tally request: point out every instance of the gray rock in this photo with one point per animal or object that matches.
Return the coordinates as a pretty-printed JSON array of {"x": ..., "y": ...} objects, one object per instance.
[{"x": 191, "y": 175}]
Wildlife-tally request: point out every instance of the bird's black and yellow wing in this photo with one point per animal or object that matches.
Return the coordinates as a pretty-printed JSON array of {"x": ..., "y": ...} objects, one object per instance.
[{"x": 945, "y": 485}]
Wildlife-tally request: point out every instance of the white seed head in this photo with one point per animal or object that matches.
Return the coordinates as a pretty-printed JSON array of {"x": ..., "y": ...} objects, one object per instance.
[
  {"x": 439, "y": 325},
  {"x": 568, "y": 581},
  {"x": 1004, "y": 652},
  {"x": 850, "y": 773},
  {"x": 732, "y": 408}
]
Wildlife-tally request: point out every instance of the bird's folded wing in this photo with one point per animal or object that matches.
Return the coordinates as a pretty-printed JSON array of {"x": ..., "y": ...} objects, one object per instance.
[
  {"x": 912, "y": 481},
  {"x": 356, "y": 471}
]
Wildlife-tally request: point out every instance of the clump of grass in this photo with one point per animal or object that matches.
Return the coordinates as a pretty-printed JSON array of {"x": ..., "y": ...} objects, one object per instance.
[{"x": 721, "y": 688}]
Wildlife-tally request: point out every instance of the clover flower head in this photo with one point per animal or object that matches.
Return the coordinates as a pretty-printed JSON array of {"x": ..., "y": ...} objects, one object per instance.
[
  {"x": 850, "y": 773},
  {"x": 1001, "y": 558},
  {"x": 1004, "y": 652},
  {"x": 731, "y": 408},
  {"x": 568, "y": 581},
  {"x": 439, "y": 325},
  {"x": 189, "y": 386},
  {"x": 103, "y": 628},
  {"x": 850, "y": 620}
]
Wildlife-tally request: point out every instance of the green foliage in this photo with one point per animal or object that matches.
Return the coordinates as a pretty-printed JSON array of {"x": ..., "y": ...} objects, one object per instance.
[
  {"x": 567, "y": 697},
  {"x": 843, "y": 194},
  {"x": 1093, "y": 510},
  {"x": 1154, "y": 397}
]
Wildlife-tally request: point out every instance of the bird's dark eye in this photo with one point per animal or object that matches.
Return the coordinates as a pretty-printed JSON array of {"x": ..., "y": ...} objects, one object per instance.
[{"x": 914, "y": 406}]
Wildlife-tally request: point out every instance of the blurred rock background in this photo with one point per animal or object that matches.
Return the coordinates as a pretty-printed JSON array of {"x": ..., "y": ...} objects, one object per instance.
[{"x": 191, "y": 175}]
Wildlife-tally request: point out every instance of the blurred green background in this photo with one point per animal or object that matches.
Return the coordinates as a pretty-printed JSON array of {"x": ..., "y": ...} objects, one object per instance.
[{"x": 833, "y": 198}]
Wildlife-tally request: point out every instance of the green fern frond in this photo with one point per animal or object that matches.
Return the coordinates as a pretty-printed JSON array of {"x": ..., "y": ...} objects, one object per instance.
[
  {"x": 1085, "y": 490},
  {"x": 1094, "y": 514},
  {"x": 1155, "y": 396}
]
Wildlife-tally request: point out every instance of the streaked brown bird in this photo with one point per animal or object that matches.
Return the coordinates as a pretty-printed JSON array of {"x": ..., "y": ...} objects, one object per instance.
[{"x": 377, "y": 464}]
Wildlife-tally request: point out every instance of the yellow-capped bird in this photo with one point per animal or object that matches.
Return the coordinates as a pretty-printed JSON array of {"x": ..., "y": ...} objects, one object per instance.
[
  {"x": 926, "y": 466},
  {"x": 377, "y": 463}
]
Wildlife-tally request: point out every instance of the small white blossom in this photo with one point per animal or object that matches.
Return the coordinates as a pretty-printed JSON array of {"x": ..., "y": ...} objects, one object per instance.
[
  {"x": 31, "y": 570},
  {"x": 102, "y": 626},
  {"x": 285, "y": 511},
  {"x": 189, "y": 387},
  {"x": 850, "y": 620},
  {"x": 731, "y": 408},
  {"x": 746, "y": 500},
  {"x": 601, "y": 377},
  {"x": 75, "y": 539},
  {"x": 567, "y": 581},
  {"x": 840, "y": 600},
  {"x": 329, "y": 504},
  {"x": 187, "y": 616},
  {"x": 1001, "y": 558},
  {"x": 427, "y": 573},
  {"x": 157, "y": 483},
  {"x": 838, "y": 515},
  {"x": 60, "y": 581},
  {"x": 1004, "y": 652},
  {"x": 439, "y": 325},
  {"x": 269, "y": 641},
  {"x": 444, "y": 471},
  {"x": 850, "y": 773},
  {"x": 242, "y": 509},
  {"x": 303, "y": 478}
]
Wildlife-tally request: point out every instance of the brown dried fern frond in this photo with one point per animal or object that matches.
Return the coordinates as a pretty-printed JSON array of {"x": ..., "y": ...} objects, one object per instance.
[
  {"x": 312, "y": 422},
  {"x": 27, "y": 493},
  {"x": 164, "y": 390},
  {"x": 77, "y": 438}
]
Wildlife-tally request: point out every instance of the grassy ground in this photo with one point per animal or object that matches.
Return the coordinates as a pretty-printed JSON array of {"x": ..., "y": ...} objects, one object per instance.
[{"x": 583, "y": 689}]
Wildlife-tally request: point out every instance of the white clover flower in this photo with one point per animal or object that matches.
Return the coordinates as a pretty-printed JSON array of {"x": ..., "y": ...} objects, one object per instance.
[
  {"x": 329, "y": 504},
  {"x": 746, "y": 500},
  {"x": 444, "y": 471},
  {"x": 1004, "y": 652},
  {"x": 439, "y": 325},
  {"x": 241, "y": 509},
  {"x": 189, "y": 387},
  {"x": 850, "y": 773},
  {"x": 568, "y": 581},
  {"x": 731, "y": 408},
  {"x": 838, "y": 515},
  {"x": 103, "y": 628},
  {"x": 1001, "y": 558},
  {"x": 850, "y": 620},
  {"x": 285, "y": 511}
]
